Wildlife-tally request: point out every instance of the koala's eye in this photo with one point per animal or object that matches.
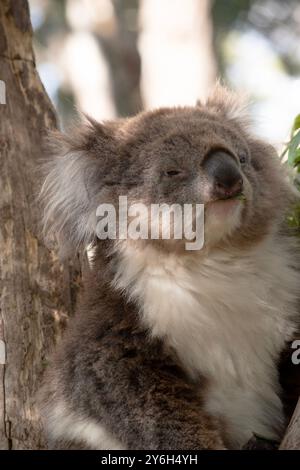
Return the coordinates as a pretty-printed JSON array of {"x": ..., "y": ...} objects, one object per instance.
[
  {"x": 243, "y": 158},
  {"x": 171, "y": 173}
]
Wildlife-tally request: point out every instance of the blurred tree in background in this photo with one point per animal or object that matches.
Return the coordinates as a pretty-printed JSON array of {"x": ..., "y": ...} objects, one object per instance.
[
  {"x": 278, "y": 21},
  {"x": 116, "y": 57}
]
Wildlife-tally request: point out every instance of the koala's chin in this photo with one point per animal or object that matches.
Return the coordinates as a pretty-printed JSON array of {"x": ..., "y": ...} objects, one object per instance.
[{"x": 174, "y": 346}]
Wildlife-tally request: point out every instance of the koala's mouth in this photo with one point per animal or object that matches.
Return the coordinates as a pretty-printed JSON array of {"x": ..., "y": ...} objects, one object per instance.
[
  {"x": 239, "y": 197},
  {"x": 226, "y": 206}
]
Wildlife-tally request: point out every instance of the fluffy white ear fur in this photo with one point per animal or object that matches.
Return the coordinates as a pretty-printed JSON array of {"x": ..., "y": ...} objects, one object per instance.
[
  {"x": 69, "y": 202},
  {"x": 232, "y": 105}
]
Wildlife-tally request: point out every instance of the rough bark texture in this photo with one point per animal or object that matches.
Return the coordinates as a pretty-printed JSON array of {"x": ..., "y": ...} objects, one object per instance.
[
  {"x": 291, "y": 440},
  {"x": 35, "y": 289}
]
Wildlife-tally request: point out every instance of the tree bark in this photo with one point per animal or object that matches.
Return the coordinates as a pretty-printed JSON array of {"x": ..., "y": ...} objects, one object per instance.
[
  {"x": 291, "y": 440},
  {"x": 36, "y": 291}
]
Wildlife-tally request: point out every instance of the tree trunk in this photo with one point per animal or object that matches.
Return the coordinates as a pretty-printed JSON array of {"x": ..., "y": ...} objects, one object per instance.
[
  {"x": 291, "y": 440},
  {"x": 178, "y": 61},
  {"x": 35, "y": 289}
]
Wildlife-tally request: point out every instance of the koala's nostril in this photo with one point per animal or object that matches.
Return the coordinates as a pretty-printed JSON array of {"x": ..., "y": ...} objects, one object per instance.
[
  {"x": 227, "y": 176},
  {"x": 229, "y": 187},
  {"x": 224, "y": 173}
]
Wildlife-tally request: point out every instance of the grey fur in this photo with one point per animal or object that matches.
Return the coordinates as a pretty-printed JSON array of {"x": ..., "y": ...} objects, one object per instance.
[{"x": 121, "y": 377}]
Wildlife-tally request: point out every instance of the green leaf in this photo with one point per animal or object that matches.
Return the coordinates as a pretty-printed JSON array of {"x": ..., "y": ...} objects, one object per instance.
[
  {"x": 293, "y": 150},
  {"x": 297, "y": 158},
  {"x": 296, "y": 124},
  {"x": 293, "y": 146},
  {"x": 284, "y": 152}
]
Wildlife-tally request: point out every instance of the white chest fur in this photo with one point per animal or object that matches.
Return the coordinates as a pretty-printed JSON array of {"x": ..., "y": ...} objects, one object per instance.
[{"x": 228, "y": 317}]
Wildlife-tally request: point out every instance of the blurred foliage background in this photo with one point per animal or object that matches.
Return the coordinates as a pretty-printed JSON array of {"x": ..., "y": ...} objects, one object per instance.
[{"x": 116, "y": 57}]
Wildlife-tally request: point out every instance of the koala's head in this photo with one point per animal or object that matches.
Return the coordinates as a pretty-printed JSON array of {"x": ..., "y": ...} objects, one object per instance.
[{"x": 190, "y": 155}]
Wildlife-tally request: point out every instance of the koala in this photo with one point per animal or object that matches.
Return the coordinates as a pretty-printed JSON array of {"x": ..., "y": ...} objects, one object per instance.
[{"x": 173, "y": 348}]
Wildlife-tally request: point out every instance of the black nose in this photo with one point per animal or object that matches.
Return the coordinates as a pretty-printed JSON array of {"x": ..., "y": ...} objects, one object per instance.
[{"x": 223, "y": 172}]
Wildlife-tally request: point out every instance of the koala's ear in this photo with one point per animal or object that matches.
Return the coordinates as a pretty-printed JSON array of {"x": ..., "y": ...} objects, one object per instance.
[
  {"x": 228, "y": 104},
  {"x": 73, "y": 181}
]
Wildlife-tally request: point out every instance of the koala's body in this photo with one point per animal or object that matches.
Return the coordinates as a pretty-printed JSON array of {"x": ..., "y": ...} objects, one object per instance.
[{"x": 174, "y": 349}]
